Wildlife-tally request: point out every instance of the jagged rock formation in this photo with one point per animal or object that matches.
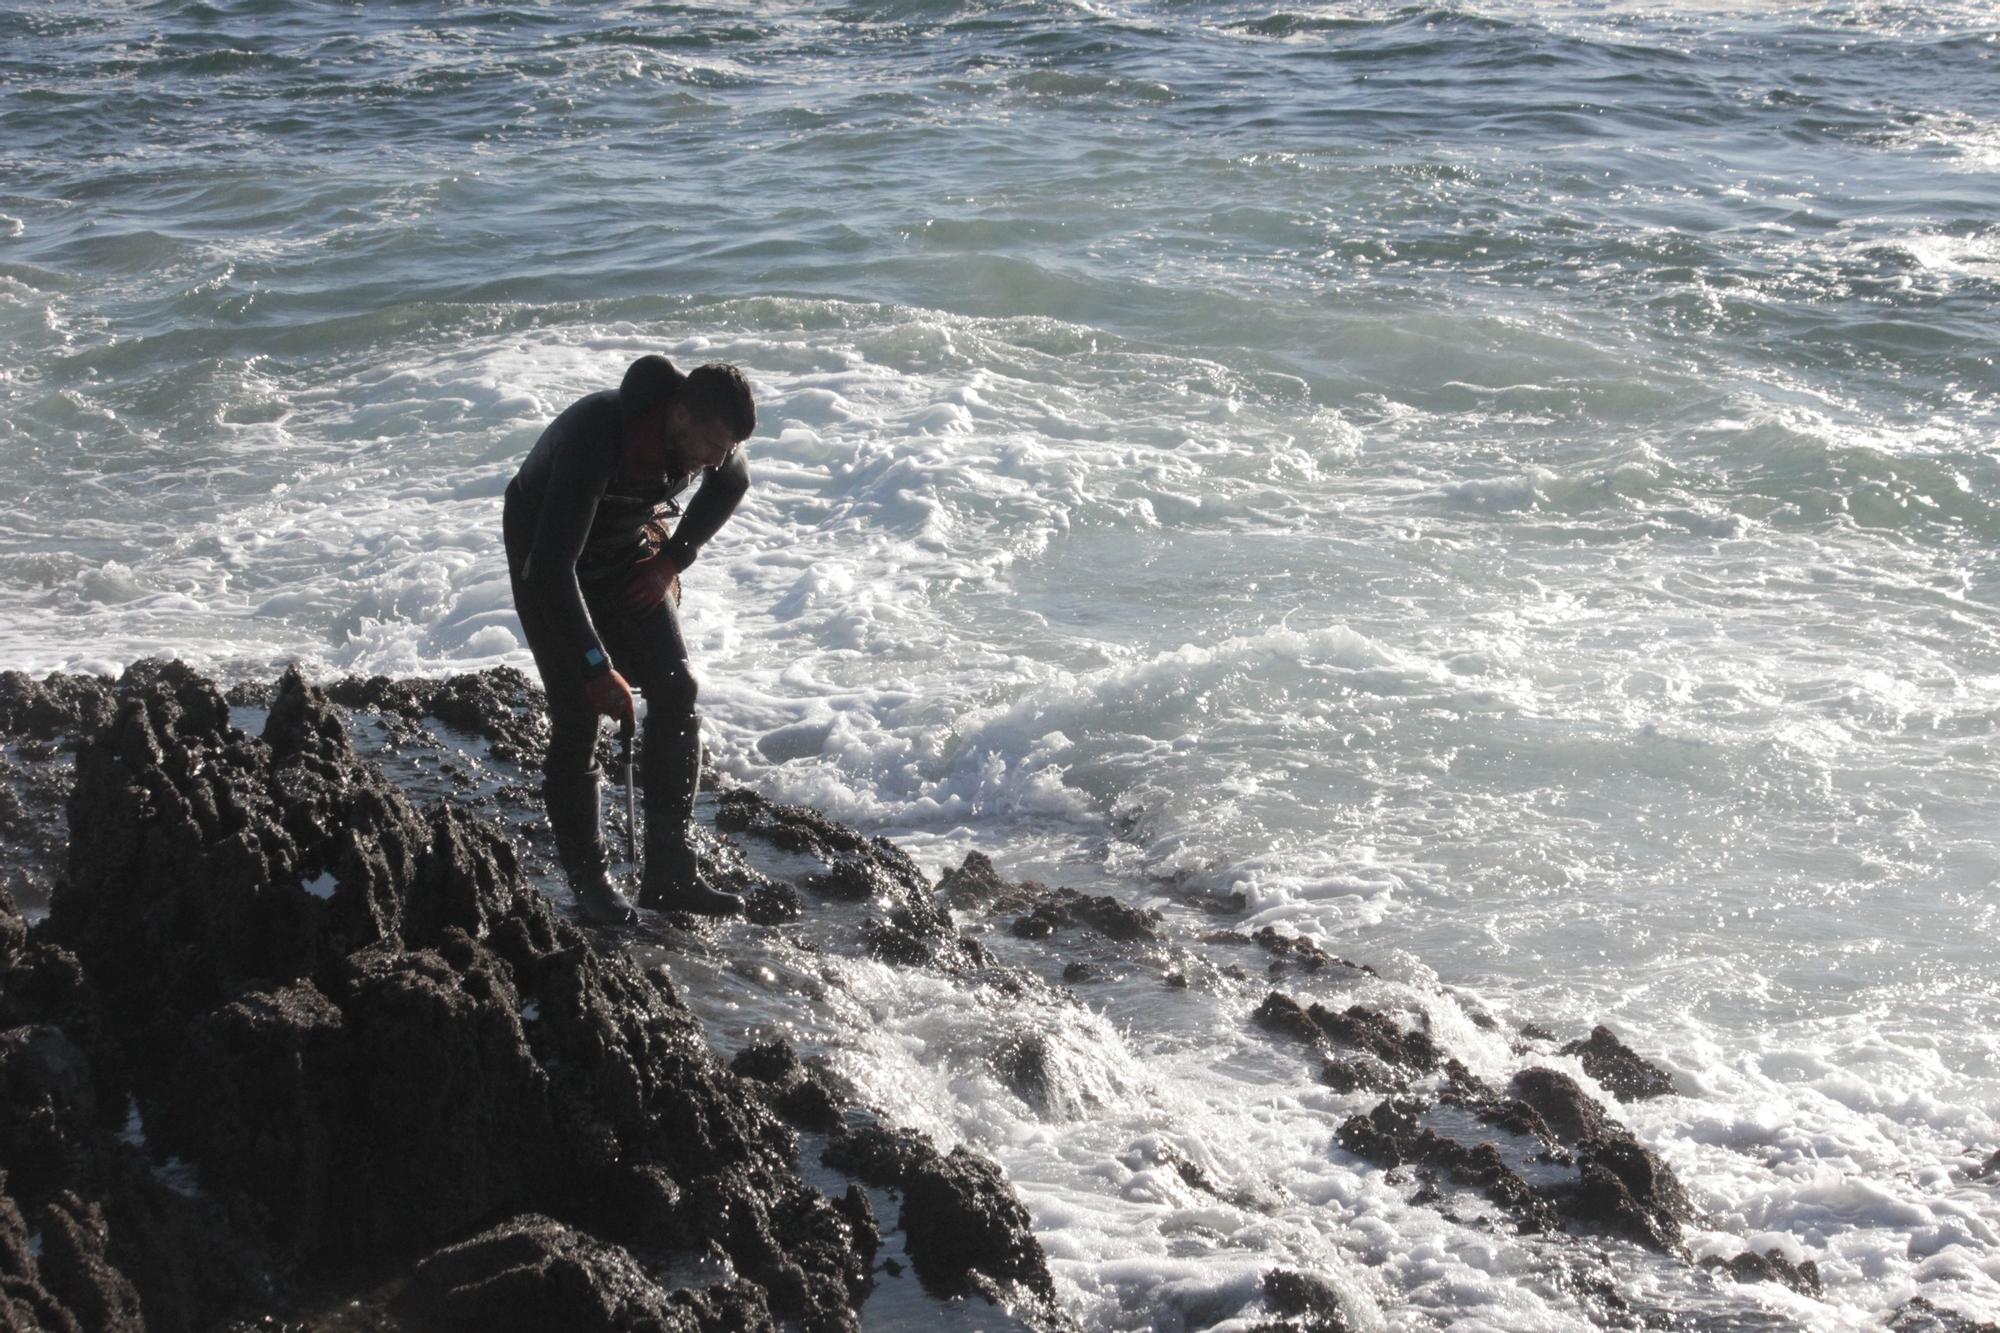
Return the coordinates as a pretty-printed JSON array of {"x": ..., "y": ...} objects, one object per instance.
[
  {"x": 1623, "y": 1187},
  {"x": 501, "y": 705},
  {"x": 1619, "y": 1187},
  {"x": 1625, "y": 1074},
  {"x": 914, "y": 930},
  {"x": 803, "y": 1096},
  {"x": 1918, "y": 1315},
  {"x": 1304, "y": 1303},
  {"x": 283, "y": 1032},
  {"x": 1770, "y": 1266},
  {"x": 1372, "y": 1051},
  {"x": 967, "y": 1232},
  {"x": 1043, "y": 911},
  {"x": 1290, "y": 952}
]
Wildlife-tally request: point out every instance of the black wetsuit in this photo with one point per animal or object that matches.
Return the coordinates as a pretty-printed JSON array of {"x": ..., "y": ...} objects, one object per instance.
[{"x": 574, "y": 530}]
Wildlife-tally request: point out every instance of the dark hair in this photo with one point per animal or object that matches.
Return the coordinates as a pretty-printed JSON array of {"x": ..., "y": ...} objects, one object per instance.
[
  {"x": 650, "y": 384},
  {"x": 720, "y": 393}
]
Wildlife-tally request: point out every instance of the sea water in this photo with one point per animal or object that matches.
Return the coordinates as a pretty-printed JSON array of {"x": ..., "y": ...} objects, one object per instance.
[{"x": 1509, "y": 489}]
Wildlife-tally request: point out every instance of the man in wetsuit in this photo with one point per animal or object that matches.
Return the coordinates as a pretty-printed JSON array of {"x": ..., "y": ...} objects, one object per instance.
[{"x": 591, "y": 565}]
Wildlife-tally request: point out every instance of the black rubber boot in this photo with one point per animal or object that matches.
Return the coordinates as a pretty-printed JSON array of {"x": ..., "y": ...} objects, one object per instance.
[
  {"x": 670, "y": 764},
  {"x": 576, "y": 812},
  {"x": 673, "y": 882}
]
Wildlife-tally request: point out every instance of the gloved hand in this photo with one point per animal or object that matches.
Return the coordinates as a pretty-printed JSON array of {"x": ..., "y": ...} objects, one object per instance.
[
  {"x": 652, "y": 579},
  {"x": 611, "y": 696}
]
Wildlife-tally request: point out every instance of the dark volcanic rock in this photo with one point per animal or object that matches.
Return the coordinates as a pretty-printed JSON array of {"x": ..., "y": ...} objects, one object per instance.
[
  {"x": 370, "y": 1036},
  {"x": 1623, "y": 1188},
  {"x": 1384, "y": 1136},
  {"x": 773, "y": 905},
  {"x": 1623, "y": 1072},
  {"x": 57, "y": 706},
  {"x": 501, "y": 704},
  {"x": 1281, "y": 1014},
  {"x": 1626, "y": 1190},
  {"x": 1307, "y": 1304},
  {"x": 798, "y": 828},
  {"x": 1377, "y": 1034},
  {"x": 802, "y": 1095},
  {"x": 878, "y": 1154},
  {"x": 1918, "y": 1315},
  {"x": 1572, "y": 1115},
  {"x": 967, "y": 1230},
  {"x": 1512, "y": 1114},
  {"x": 1370, "y": 1030},
  {"x": 1026, "y": 1066},
  {"x": 974, "y": 884},
  {"x": 1293, "y": 952},
  {"x": 1044, "y": 911},
  {"x": 1363, "y": 1071},
  {"x": 1063, "y": 909},
  {"x": 1619, "y": 1187},
  {"x": 920, "y": 934},
  {"x": 48, "y": 1106},
  {"x": 1770, "y": 1266},
  {"x": 119, "y": 1248},
  {"x": 533, "y": 1274},
  {"x": 853, "y": 879},
  {"x": 917, "y": 932},
  {"x": 1392, "y": 1135}
]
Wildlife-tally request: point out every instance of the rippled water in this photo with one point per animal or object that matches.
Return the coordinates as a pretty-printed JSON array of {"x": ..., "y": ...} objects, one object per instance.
[{"x": 1511, "y": 489}]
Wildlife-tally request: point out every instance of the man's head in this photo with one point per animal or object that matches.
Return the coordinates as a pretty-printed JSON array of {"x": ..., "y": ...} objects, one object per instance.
[{"x": 681, "y": 423}]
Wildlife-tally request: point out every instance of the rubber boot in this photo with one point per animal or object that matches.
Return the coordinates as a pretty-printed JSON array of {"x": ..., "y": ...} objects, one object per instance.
[
  {"x": 576, "y": 813},
  {"x": 673, "y": 882},
  {"x": 670, "y": 763}
]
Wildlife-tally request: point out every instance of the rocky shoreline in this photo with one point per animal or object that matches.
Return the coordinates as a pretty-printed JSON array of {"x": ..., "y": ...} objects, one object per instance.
[
  {"x": 284, "y": 1038},
  {"x": 283, "y": 1049}
]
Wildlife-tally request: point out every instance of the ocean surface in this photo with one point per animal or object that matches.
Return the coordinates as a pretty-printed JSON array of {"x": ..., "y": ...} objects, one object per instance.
[{"x": 1510, "y": 489}]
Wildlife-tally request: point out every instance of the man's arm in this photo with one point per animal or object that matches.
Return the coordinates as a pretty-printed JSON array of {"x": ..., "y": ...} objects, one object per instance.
[
  {"x": 576, "y": 483},
  {"x": 721, "y": 491}
]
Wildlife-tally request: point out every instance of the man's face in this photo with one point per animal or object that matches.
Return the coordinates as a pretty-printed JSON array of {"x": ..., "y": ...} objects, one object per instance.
[
  {"x": 696, "y": 442},
  {"x": 674, "y": 441}
]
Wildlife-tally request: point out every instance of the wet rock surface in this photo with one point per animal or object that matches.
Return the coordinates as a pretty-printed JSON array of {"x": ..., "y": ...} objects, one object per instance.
[
  {"x": 282, "y": 1030},
  {"x": 502, "y": 705},
  {"x": 910, "y": 926},
  {"x": 1918, "y": 1315},
  {"x": 801, "y": 1095},
  {"x": 1040, "y": 911},
  {"x": 1770, "y": 1266},
  {"x": 1592, "y": 1174},
  {"x": 1290, "y": 953},
  {"x": 534, "y": 1274},
  {"x": 56, "y": 706},
  {"x": 967, "y": 1232},
  {"x": 1624, "y": 1188},
  {"x": 1393, "y": 1135},
  {"x": 1303, "y": 1303},
  {"x": 1388, "y": 1055},
  {"x": 1625, "y": 1074}
]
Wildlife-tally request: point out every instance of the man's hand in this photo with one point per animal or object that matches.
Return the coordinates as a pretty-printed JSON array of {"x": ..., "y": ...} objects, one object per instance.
[
  {"x": 652, "y": 578},
  {"x": 611, "y": 696}
]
